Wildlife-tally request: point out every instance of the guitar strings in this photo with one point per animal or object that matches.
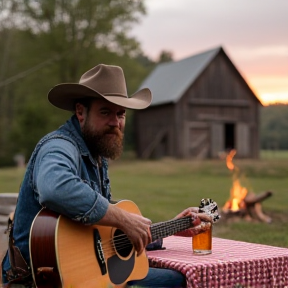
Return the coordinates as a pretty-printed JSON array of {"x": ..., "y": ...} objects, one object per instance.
[
  {"x": 121, "y": 237},
  {"x": 121, "y": 242}
]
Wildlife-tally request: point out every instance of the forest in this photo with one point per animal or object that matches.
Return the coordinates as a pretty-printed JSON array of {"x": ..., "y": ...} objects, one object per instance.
[
  {"x": 43, "y": 43},
  {"x": 274, "y": 127}
]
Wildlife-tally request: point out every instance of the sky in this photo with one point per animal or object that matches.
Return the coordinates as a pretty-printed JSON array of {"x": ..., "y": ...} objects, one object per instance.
[{"x": 253, "y": 33}]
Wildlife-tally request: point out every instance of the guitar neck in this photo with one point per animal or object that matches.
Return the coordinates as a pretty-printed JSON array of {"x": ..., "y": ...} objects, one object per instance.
[{"x": 168, "y": 228}]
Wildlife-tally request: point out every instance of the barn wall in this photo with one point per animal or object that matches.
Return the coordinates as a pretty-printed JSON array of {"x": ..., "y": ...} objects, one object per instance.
[
  {"x": 180, "y": 140},
  {"x": 155, "y": 131},
  {"x": 219, "y": 97}
]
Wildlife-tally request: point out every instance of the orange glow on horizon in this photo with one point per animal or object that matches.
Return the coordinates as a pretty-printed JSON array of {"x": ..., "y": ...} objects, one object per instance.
[
  {"x": 270, "y": 89},
  {"x": 273, "y": 98}
]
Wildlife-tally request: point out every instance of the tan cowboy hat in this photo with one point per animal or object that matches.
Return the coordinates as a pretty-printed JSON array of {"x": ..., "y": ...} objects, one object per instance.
[{"x": 101, "y": 81}]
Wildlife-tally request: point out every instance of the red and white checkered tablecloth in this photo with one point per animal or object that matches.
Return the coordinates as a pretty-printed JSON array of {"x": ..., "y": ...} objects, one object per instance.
[{"x": 231, "y": 264}]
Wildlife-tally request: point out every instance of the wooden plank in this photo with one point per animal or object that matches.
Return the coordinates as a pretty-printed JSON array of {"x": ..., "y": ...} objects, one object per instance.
[
  {"x": 3, "y": 220},
  {"x": 3, "y": 246},
  {"x": 6, "y": 209},
  {"x": 216, "y": 117},
  {"x": 149, "y": 149},
  {"x": 220, "y": 102},
  {"x": 243, "y": 140},
  {"x": 7, "y": 206},
  {"x": 195, "y": 124},
  {"x": 217, "y": 139},
  {"x": 199, "y": 142},
  {"x": 8, "y": 198}
]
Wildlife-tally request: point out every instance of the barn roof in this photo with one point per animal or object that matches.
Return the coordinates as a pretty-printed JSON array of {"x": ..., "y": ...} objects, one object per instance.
[{"x": 169, "y": 81}]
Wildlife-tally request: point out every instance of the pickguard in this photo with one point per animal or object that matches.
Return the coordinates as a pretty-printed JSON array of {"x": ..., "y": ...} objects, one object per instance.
[{"x": 121, "y": 265}]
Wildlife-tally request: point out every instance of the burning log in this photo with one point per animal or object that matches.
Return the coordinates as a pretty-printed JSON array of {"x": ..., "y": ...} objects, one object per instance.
[
  {"x": 252, "y": 199},
  {"x": 249, "y": 208},
  {"x": 254, "y": 207},
  {"x": 241, "y": 203}
]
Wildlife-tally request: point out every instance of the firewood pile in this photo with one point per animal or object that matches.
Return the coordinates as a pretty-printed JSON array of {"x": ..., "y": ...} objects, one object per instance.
[
  {"x": 250, "y": 208},
  {"x": 242, "y": 202}
]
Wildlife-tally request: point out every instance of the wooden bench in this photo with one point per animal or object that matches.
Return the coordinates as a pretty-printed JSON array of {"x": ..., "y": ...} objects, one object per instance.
[{"x": 7, "y": 207}]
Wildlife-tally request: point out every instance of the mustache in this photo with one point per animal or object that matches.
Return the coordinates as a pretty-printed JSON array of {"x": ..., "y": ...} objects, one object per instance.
[{"x": 113, "y": 130}]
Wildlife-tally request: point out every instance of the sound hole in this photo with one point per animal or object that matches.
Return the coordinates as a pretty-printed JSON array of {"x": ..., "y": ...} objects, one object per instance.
[{"x": 122, "y": 243}]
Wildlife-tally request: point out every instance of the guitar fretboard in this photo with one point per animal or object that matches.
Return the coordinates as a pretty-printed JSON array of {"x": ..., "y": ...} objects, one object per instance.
[{"x": 168, "y": 228}]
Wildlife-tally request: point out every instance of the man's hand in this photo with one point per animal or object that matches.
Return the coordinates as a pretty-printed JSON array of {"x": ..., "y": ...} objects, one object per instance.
[
  {"x": 201, "y": 222},
  {"x": 136, "y": 227},
  {"x": 196, "y": 217}
]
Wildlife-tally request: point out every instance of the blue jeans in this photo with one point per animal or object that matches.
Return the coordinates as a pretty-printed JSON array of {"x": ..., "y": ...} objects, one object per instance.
[
  {"x": 156, "y": 277},
  {"x": 163, "y": 278}
]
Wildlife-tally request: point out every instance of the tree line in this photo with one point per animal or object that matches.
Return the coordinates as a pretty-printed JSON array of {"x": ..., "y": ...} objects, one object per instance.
[{"x": 274, "y": 127}]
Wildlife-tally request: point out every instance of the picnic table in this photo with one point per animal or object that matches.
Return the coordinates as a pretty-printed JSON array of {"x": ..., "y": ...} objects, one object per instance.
[{"x": 232, "y": 263}]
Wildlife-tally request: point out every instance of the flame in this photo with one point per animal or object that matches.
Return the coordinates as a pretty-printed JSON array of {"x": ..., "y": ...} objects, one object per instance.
[
  {"x": 237, "y": 192},
  {"x": 229, "y": 159}
]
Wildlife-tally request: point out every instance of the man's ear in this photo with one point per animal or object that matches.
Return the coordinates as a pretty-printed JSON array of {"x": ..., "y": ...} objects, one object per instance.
[{"x": 81, "y": 113}]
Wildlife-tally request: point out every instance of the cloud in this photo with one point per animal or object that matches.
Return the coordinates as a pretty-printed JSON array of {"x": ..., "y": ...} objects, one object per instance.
[
  {"x": 263, "y": 51},
  {"x": 187, "y": 25}
]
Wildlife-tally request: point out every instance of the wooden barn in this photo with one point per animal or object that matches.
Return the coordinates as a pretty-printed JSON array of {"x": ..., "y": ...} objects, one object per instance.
[{"x": 201, "y": 107}]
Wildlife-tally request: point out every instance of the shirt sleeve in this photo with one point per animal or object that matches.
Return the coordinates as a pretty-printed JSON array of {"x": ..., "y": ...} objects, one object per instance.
[{"x": 59, "y": 187}]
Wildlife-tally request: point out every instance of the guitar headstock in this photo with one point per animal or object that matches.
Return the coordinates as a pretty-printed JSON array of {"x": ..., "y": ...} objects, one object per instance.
[{"x": 209, "y": 207}]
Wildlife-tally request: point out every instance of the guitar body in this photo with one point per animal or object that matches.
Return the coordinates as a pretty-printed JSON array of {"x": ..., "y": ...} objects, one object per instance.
[{"x": 68, "y": 254}]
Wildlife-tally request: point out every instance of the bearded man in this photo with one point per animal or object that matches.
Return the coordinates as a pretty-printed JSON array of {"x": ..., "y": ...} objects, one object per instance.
[{"x": 68, "y": 174}]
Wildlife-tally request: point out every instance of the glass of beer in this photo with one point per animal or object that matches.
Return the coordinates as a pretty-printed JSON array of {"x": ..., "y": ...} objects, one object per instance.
[{"x": 202, "y": 243}]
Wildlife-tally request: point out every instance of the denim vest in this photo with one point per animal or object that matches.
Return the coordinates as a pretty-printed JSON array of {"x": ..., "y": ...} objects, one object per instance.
[{"x": 83, "y": 197}]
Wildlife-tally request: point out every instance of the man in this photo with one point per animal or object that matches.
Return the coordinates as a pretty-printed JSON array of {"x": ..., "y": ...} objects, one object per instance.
[{"x": 68, "y": 171}]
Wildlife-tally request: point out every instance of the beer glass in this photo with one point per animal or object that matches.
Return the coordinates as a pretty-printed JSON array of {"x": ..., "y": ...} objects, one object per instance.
[{"x": 202, "y": 243}]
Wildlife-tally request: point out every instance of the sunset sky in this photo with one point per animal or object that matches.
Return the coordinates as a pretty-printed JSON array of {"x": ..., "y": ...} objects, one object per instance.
[{"x": 253, "y": 33}]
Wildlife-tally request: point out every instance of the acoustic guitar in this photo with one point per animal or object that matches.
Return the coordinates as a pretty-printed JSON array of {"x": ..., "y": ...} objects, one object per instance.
[{"x": 68, "y": 254}]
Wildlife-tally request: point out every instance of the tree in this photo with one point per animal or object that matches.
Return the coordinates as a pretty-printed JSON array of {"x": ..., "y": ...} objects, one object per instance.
[
  {"x": 74, "y": 28},
  {"x": 52, "y": 41},
  {"x": 274, "y": 127},
  {"x": 165, "y": 56}
]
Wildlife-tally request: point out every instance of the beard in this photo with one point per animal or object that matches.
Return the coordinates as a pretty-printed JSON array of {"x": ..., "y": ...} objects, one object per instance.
[{"x": 107, "y": 143}]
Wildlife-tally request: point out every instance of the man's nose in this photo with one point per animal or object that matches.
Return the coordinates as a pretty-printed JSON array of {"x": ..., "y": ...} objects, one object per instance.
[{"x": 114, "y": 121}]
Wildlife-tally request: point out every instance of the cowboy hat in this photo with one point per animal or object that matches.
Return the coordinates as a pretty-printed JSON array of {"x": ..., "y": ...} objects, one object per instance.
[{"x": 101, "y": 81}]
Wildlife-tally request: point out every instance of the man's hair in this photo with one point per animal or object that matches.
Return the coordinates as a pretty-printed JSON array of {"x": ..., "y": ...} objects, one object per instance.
[{"x": 86, "y": 102}]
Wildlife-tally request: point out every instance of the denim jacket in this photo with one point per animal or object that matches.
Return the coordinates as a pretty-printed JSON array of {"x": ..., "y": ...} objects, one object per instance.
[{"x": 61, "y": 175}]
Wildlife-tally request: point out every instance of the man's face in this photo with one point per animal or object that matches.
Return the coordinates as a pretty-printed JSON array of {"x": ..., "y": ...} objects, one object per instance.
[{"x": 102, "y": 128}]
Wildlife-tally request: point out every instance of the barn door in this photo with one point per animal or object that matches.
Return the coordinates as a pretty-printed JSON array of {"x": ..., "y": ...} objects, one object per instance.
[
  {"x": 217, "y": 139},
  {"x": 197, "y": 140},
  {"x": 243, "y": 140}
]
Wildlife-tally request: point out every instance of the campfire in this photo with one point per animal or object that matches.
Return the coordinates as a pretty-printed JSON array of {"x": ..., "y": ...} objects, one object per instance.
[{"x": 242, "y": 202}]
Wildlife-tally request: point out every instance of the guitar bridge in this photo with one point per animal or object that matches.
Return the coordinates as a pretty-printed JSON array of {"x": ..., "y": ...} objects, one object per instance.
[{"x": 99, "y": 251}]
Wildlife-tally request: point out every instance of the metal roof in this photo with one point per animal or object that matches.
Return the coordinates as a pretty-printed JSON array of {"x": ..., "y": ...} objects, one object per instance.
[{"x": 169, "y": 81}]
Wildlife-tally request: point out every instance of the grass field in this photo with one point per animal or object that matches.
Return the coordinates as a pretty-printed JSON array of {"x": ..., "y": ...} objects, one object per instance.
[{"x": 163, "y": 188}]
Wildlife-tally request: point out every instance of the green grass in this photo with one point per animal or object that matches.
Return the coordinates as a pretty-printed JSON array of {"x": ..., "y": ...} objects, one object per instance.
[
  {"x": 163, "y": 188},
  {"x": 272, "y": 154},
  {"x": 10, "y": 179}
]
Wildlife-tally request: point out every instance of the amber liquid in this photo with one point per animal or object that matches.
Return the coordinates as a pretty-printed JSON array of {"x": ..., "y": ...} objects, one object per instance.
[{"x": 202, "y": 243}]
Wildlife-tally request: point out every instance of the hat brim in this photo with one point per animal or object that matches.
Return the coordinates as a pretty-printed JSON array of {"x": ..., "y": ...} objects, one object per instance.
[{"x": 64, "y": 95}]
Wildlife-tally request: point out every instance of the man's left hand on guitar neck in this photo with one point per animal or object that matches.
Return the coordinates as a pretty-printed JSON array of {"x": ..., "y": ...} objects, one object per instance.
[{"x": 201, "y": 222}]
